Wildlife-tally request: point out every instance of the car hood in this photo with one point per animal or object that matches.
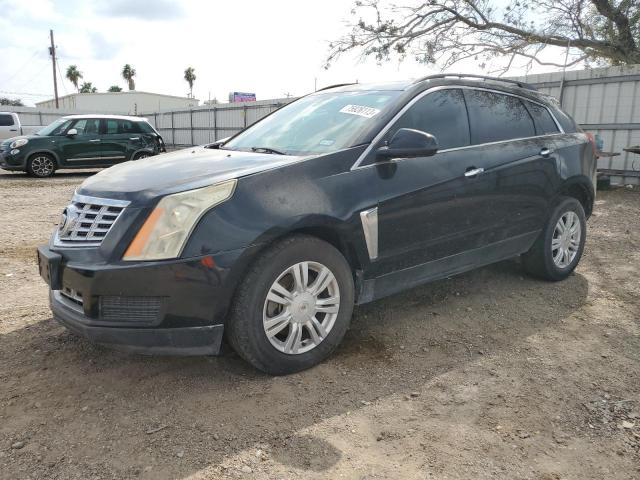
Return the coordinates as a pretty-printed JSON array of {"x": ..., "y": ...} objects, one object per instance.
[{"x": 142, "y": 181}]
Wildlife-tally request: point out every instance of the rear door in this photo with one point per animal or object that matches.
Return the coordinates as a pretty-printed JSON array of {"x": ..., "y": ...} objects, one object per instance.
[
  {"x": 84, "y": 147},
  {"x": 120, "y": 139},
  {"x": 516, "y": 158}
]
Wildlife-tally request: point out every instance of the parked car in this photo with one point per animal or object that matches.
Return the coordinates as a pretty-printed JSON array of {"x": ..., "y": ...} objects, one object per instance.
[
  {"x": 342, "y": 197},
  {"x": 81, "y": 141},
  {"x": 10, "y": 126}
]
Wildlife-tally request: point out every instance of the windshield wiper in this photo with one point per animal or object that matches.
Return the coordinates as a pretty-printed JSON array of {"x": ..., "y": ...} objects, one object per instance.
[{"x": 267, "y": 150}]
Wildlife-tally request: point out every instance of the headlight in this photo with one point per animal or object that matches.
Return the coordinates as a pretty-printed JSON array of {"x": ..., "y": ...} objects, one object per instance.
[
  {"x": 19, "y": 143},
  {"x": 168, "y": 227}
]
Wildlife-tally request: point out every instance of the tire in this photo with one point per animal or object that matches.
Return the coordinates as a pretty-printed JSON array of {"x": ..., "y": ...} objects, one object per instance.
[
  {"x": 141, "y": 155},
  {"x": 276, "y": 354},
  {"x": 41, "y": 165},
  {"x": 545, "y": 261}
]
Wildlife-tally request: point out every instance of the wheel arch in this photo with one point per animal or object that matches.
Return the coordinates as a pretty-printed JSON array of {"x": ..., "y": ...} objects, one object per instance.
[
  {"x": 581, "y": 188},
  {"x": 39, "y": 151}
]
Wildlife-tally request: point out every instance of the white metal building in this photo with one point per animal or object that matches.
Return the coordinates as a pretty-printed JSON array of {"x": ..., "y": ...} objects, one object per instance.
[{"x": 130, "y": 102}]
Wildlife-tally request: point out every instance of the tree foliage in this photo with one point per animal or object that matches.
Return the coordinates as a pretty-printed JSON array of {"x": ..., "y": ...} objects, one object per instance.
[
  {"x": 11, "y": 102},
  {"x": 114, "y": 88},
  {"x": 190, "y": 77},
  {"x": 87, "y": 87},
  {"x": 74, "y": 75},
  {"x": 128, "y": 72},
  {"x": 444, "y": 32}
]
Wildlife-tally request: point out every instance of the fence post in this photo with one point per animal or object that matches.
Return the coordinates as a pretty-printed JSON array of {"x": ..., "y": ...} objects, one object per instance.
[
  {"x": 39, "y": 117},
  {"x": 191, "y": 125},
  {"x": 215, "y": 124},
  {"x": 244, "y": 108},
  {"x": 173, "y": 131}
]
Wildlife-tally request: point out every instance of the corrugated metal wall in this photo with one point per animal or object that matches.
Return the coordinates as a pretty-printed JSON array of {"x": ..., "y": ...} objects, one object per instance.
[
  {"x": 208, "y": 124},
  {"x": 605, "y": 101}
]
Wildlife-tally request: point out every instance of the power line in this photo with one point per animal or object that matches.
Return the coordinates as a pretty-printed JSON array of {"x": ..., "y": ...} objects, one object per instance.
[
  {"x": 19, "y": 70},
  {"x": 61, "y": 77},
  {"x": 26, "y": 93}
]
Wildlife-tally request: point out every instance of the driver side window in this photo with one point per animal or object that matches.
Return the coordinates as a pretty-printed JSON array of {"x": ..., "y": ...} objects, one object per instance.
[{"x": 443, "y": 114}]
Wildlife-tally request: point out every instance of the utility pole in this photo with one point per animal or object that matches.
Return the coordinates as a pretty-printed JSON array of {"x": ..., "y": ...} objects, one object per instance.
[{"x": 52, "y": 52}]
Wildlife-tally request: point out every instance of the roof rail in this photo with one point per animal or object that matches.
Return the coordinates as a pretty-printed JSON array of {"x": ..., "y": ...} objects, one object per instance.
[
  {"x": 528, "y": 86},
  {"x": 335, "y": 86}
]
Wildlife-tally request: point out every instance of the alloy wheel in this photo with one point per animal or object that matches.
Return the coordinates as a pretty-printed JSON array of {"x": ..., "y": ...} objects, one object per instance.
[
  {"x": 42, "y": 166},
  {"x": 565, "y": 242},
  {"x": 301, "y": 307}
]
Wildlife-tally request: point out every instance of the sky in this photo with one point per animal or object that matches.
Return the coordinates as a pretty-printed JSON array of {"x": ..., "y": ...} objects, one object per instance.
[{"x": 274, "y": 49}]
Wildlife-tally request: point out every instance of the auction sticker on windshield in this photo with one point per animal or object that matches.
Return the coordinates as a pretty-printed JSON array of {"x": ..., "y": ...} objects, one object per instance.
[{"x": 360, "y": 110}]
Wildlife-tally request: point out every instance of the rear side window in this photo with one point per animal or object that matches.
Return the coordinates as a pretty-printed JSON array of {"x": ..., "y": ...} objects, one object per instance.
[
  {"x": 542, "y": 118},
  {"x": 442, "y": 114},
  {"x": 115, "y": 127},
  {"x": 6, "y": 120},
  {"x": 495, "y": 117}
]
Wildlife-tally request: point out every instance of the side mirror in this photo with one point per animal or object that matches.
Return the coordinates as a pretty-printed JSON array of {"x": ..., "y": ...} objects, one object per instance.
[
  {"x": 72, "y": 132},
  {"x": 409, "y": 143}
]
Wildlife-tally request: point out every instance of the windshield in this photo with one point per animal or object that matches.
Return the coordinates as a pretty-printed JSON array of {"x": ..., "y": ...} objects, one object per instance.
[
  {"x": 54, "y": 128},
  {"x": 315, "y": 124}
]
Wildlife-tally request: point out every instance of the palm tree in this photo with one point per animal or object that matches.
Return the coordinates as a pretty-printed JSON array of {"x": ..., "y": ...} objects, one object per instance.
[
  {"x": 74, "y": 75},
  {"x": 87, "y": 87},
  {"x": 190, "y": 77},
  {"x": 128, "y": 72}
]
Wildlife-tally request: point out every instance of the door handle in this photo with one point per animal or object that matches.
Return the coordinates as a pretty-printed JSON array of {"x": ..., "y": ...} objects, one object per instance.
[
  {"x": 473, "y": 171},
  {"x": 13, "y": 129},
  {"x": 134, "y": 138},
  {"x": 95, "y": 140},
  {"x": 545, "y": 152}
]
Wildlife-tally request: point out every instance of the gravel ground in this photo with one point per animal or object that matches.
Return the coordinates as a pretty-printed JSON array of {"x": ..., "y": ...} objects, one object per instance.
[{"x": 486, "y": 375}]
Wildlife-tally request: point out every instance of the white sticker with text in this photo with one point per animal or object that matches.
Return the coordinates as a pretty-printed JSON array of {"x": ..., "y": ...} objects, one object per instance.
[{"x": 360, "y": 110}]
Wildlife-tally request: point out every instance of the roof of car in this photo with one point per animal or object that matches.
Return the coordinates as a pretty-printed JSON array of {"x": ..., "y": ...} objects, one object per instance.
[
  {"x": 115, "y": 117},
  {"x": 445, "y": 78}
]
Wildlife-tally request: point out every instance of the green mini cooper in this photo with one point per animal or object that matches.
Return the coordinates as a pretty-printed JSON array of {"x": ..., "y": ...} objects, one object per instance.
[{"x": 81, "y": 141}]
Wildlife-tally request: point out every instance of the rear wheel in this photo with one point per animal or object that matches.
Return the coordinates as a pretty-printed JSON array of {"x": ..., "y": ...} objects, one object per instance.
[
  {"x": 293, "y": 307},
  {"x": 41, "y": 165},
  {"x": 558, "y": 249},
  {"x": 141, "y": 155}
]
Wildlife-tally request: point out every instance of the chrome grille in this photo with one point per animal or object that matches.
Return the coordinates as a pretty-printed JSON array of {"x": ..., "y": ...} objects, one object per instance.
[{"x": 87, "y": 220}]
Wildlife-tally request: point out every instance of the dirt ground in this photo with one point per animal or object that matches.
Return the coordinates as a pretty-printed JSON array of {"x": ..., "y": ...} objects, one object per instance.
[{"x": 490, "y": 374}]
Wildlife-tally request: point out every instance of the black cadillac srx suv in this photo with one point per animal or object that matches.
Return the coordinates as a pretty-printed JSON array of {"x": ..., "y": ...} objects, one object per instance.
[{"x": 342, "y": 197}]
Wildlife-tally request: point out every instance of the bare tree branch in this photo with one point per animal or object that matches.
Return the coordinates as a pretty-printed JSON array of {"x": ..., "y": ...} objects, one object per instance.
[{"x": 445, "y": 32}]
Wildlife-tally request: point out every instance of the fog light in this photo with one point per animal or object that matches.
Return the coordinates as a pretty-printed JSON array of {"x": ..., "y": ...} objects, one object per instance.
[{"x": 15, "y": 151}]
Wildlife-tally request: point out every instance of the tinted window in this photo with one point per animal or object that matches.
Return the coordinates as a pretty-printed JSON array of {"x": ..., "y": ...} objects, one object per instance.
[
  {"x": 442, "y": 114},
  {"x": 495, "y": 117},
  {"x": 86, "y": 126},
  {"x": 6, "y": 120},
  {"x": 542, "y": 118},
  {"x": 115, "y": 127}
]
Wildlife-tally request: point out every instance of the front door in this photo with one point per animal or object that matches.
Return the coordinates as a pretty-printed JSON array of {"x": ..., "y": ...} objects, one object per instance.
[
  {"x": 427, "y": 206},
  {"x": 83, "y": 148}
]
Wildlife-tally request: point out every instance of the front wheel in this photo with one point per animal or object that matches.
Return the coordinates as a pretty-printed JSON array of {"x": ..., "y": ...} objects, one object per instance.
[
  {"x": 558, "y": 249},
  {"x": 41, "y": 165},
  {"x": 293, "y": 307}
]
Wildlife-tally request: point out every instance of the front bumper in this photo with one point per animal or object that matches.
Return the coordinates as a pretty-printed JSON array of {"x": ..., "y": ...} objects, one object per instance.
[
  {"x": 11, "y": 162},
  {"x": 205, "y": 340},
  {"x": 174, "y": 307}
]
